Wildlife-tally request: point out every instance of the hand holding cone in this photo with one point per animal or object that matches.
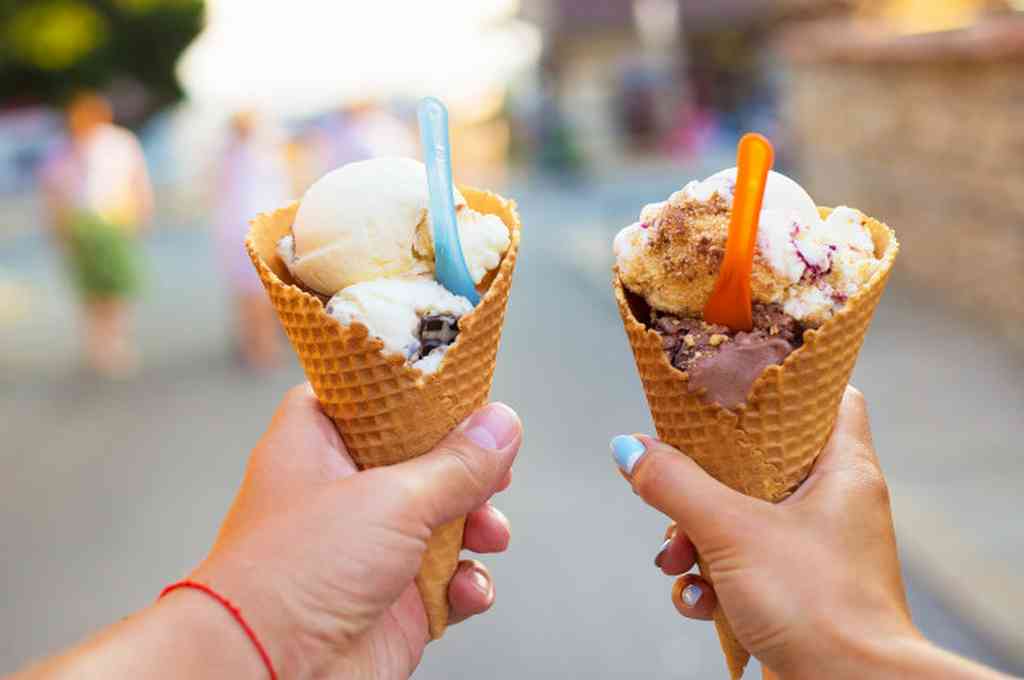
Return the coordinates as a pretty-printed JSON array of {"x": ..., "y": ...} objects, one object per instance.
[
  {"x": 386, "y": 411},
  {"x": 766, "y": 447}
]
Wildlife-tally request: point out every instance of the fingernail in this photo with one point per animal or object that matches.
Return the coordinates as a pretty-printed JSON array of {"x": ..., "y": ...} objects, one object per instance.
[
  {"x": 492, "y": 427},
  {"x": 692, "y": 594},
  {"x": 661, "y": 553},
  {"x": 627, "y": 450}
]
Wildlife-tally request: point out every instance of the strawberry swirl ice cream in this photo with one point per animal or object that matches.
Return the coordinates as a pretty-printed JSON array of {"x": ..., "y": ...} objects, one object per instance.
[
  {"x": 804, "y": 270},
  {"x": 804, "y": 263}
]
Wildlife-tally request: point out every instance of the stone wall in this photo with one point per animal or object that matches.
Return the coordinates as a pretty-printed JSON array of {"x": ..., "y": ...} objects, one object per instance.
[{"x": 927, "y": 134}]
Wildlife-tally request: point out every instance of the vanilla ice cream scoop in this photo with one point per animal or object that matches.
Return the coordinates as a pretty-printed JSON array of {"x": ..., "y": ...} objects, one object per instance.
[
  {"x": 808, "y": 265},
  {"x": 370, "y": 220},
  {"x": 362, "y": 235}
]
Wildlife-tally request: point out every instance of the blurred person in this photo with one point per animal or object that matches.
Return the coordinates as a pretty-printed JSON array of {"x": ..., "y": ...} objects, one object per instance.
[
  {"x": 253, "y": 178},
  {"x": 98, "y": 194},
  {"x": 838, "y": 612},
  {"x": 319, "y": 561}
]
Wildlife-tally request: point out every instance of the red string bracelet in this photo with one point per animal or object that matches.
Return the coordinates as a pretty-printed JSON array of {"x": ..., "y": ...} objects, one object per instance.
[{"x": 235, "y": 612}]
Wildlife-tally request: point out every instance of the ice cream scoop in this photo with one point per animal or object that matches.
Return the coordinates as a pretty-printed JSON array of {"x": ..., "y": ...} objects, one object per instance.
[
  {"x": 362, "y": 236},
  {"x": 360, "y": 222},
  {"x": 673, "y": 255},
  {"x": 799, "y": 269},
  {"x": 371, "y": 219}
]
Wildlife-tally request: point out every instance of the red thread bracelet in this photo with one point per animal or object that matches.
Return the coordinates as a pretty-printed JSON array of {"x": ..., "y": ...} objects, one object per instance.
[{"x": 235, "y": 612}]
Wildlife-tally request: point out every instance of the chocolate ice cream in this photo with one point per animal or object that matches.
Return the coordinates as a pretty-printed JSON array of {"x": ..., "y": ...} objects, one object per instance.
[{"x": 723, "y": 363}]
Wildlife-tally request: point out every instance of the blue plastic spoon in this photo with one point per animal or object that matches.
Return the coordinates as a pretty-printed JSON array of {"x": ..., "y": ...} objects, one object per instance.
[{"x": 449, "y": 262}]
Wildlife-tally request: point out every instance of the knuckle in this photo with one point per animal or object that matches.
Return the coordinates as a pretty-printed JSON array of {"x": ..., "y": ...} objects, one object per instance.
[
  {"x": 879, "y": 489},
  {"x": 870, "y": 482},
  {"x": 855, "y": 402}
]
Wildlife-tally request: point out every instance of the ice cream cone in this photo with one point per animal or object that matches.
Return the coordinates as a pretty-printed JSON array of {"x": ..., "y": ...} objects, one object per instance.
[
  {"x": 386, "y": 411},
  {"x": 766, "y": 447}
]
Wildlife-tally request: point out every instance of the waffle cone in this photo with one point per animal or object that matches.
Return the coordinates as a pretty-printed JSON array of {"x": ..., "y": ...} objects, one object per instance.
[
  {"x": 386, "y": 411},
  {"x": 765, "y": 448}
]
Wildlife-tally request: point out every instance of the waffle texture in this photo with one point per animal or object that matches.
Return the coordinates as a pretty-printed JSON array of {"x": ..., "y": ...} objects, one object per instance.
[
  {"x": 386, "y": 411},
  {"x": 764, "y": 448}
]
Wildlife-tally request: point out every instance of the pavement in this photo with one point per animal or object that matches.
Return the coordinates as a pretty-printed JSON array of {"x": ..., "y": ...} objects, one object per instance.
[{"x": 110, "y": 490}]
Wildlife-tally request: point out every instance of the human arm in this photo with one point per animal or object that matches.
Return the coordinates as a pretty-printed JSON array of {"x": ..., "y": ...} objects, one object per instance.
[
  {"x": 320, "y": 559},
  {"x": 811, "y": 586}
]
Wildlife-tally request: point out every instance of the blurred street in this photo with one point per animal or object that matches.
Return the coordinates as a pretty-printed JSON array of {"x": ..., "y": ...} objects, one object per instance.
[{"x": 112, "y": 490}]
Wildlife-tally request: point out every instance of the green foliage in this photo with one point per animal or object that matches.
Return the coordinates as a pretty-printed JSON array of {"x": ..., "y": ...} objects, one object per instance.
[{"x": 51, "y": 48}]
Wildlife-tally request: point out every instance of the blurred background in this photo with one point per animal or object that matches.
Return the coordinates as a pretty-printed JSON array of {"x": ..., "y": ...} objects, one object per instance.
[{"x": 138, "y": 365}]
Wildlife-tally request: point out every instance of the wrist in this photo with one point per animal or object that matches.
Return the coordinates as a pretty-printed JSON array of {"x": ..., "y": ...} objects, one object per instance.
[
  {"x": 206, "y": 637},
  {"x": 892, "y": 655},
  {"x": 916, "y": 657},
  {"x": 267, "y": 614},
  {"x": 845, "y": 649},
  {"x": 182, "y": 635}
]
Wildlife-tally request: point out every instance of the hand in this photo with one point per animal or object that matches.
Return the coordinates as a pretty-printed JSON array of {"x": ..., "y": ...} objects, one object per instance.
[
  {"x": 809, "y": 585},
  {"x": 322, "y": 558}
]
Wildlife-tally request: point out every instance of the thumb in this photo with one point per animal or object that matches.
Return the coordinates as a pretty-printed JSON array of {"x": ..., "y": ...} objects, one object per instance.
[
  {"x": 673, "y": 483},
  {"x": 851, "y": 440},
  {"x": 848, "y": 463},
  {"x": 464, "y": 470}
]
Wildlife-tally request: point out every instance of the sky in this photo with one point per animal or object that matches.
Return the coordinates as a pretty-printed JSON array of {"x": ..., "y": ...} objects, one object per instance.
[{"x": 304, "y": 56}]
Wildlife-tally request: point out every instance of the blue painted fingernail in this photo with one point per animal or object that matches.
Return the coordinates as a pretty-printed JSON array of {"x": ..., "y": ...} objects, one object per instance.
[
  {"x": 692, "y": 594},
  {"x": 661, "y": 553},
  {"x": 627, "y": 450}
]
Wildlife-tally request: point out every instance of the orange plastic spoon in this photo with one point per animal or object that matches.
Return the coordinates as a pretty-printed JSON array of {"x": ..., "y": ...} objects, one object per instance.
[{"x": 729, "y": 304}]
